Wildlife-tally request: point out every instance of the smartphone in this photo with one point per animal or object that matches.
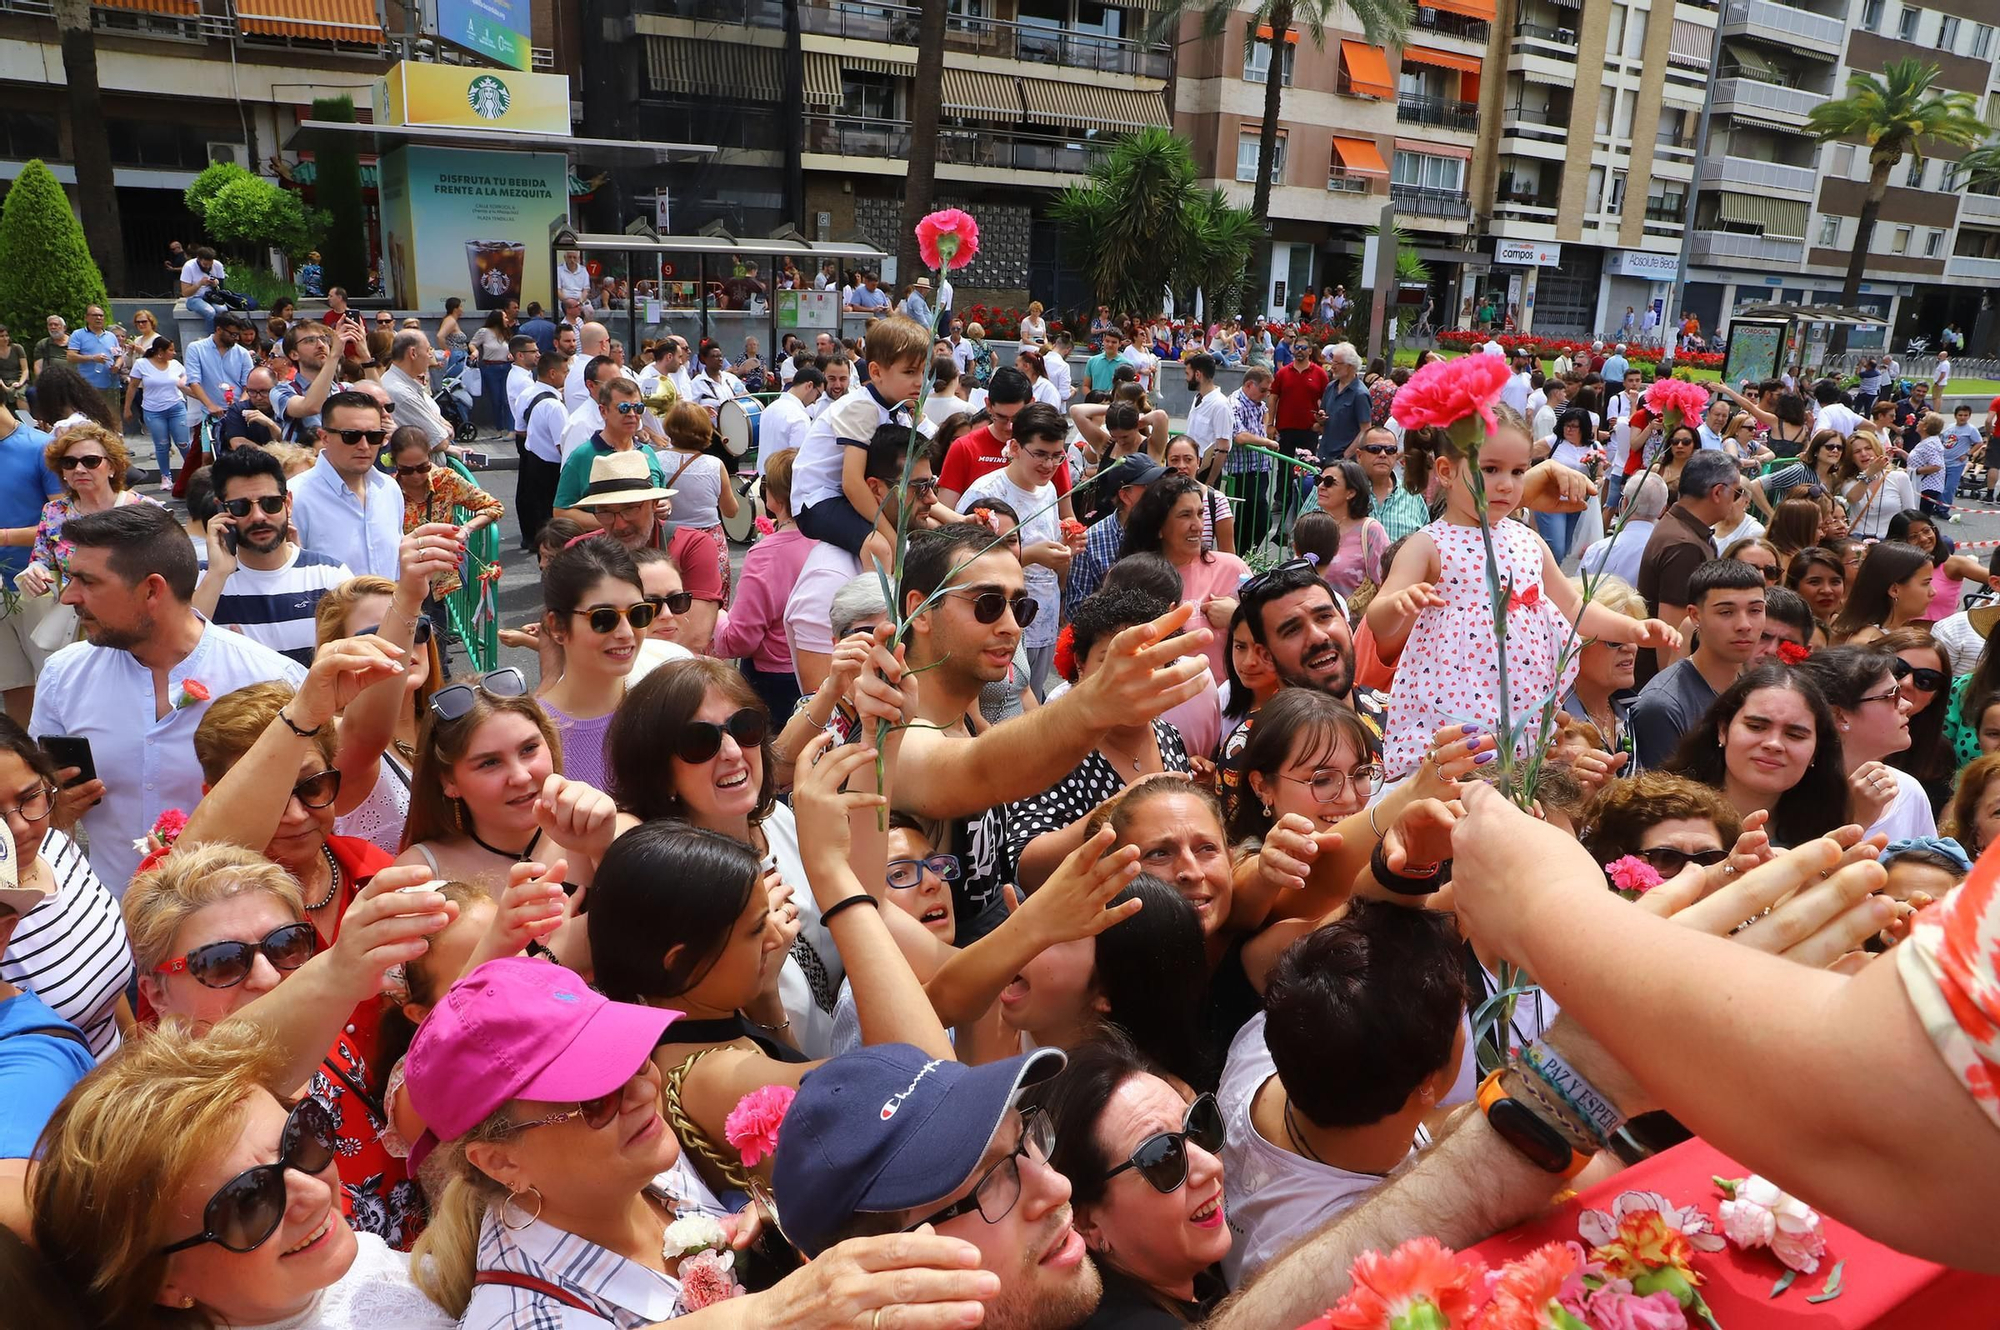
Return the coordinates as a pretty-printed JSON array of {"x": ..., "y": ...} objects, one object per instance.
[
  {"x": 68, "y": 751},
  {"x": 475, "y": 460},
  {"x": 229, "y": 539}
]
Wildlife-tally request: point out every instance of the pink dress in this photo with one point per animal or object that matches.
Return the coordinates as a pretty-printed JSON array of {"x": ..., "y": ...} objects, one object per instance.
[
  {"x": 1213, "y": 574},
  {"x": 1450, "y": 671}
]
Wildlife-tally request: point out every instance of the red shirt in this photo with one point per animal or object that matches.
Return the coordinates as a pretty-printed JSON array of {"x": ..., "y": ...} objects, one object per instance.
[
  {"x": 1298, "y": 392},
  {"x": 977, "y": 453}
]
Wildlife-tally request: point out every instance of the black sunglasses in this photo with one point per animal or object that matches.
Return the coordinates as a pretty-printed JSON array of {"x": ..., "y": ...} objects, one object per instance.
[
  {"x": 89, "y": 462},
  {"x": 246, "y": 1210},
  {"x": 1162, "y": 1158},
  {"x": 422, "y": 470},
  {"x": 988, "y": 605},
  {"x": 419, "y": 637},
  {"x": 1667, "y": 861},
  {"x": 604, "y": 618},
  {"x": 319, "y": 790},
  {"x": 1326, "y": 482},
  {"x": 674, "y": 602},
  {"x": 353, "y": 436},
  {"x": 227, "y": 964},
  {"x": 1928, "y": 681},
  {"x": 268, "y": 504},
  {"x": 455, "y": 701},
  {"x": 1252, "y": 586},
  {"x": 702, "y": 739}
]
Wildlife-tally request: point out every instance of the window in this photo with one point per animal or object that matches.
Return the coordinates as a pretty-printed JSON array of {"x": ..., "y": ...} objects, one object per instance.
[
  {"x": 1933, "y": 243},
  {"x": 872, "y": 96},
  {"x": 1947, "y": 33},
  {"x": 1614, "y": 36},
  {"x": 1616, "y": 204},
  {"x": 1843, "y": 161},
  {"x": 1906, "y": 24},
  {"x": 25, "y": 134},
  {"x": 1422, "y": 170},
  {"x": 1635, "y": 35},
  {"x": 1605, "y": 98},
  {"x": 1257, "y": 61},
  {"x": 1596, "y": 195},
  {"x": 1901, "y": 243},
  {"x": 1982, "y": 41},
  {"x": 1915, "y": 178},
  {"x": 1628, "y": 102},
  {"x": 1829, "y": 231},
  {"x": 1871, "y": 15},
  {"x": 1246, "y": 157}
]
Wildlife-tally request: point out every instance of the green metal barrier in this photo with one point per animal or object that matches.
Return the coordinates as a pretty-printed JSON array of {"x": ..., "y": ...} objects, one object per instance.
[
  {"x": 1267, "y": 503},
  {"x": 480, "y": 633}
]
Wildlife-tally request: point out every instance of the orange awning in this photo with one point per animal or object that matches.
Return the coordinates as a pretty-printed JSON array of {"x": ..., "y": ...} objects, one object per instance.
[
  {"x": 1367, "y": 69},
  {"x": 1360, "y": 156},
  {"x": 183, "y": 8},
  {"x": 1464, "y": 8},
  {"x": 326, "y": 20},
  {"x": 1424, "y": 55},
  {"x": 1264, "y": 34}
]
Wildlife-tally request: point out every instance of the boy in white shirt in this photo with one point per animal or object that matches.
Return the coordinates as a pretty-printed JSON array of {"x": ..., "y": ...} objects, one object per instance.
[{"x": 829, "y": 482}]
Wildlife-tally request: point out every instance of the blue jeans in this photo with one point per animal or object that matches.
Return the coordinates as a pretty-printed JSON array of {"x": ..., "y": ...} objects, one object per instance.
[
  {"x": 1953, "y": 473},
  {"x": 167, "y": 428},
  {"x": 493, "y": 387},
  {"x": 1556, "y": 529},
  {"x": 204, "y": 311},
  {"x": 1614, "y": 489}
]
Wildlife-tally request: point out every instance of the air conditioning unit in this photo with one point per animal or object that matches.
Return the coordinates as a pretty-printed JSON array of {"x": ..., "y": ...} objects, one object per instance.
[{"x": 221, "y": 150}]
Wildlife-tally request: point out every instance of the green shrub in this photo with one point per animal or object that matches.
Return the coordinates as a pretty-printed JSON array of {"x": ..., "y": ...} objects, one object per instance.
[
  {"x": 247, "y": 214},
  {"x": 45, "y": 265}
]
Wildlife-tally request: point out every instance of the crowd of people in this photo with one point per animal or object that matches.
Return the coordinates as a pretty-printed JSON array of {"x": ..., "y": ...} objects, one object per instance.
[{"x": 991, "y": 900}]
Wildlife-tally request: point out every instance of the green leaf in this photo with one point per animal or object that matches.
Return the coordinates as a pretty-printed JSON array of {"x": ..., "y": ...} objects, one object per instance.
[
  {"x": 1831, "y": 1289},
  {"x": 1790, "y": 1278}
]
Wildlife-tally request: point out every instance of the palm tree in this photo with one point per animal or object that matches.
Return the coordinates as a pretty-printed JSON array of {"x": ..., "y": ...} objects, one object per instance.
[
  {"x": 1902, "y": 111},
  {"x": 1383, "y": 23},
  {"x": 926, "y": 100},
  {"x": 1979, "y": 168},
  {"x": 96, "y": 195}
]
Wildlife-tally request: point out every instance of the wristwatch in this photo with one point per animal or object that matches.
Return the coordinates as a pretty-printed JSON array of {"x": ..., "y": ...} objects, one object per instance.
[{"x": 1518, "y": 1125}]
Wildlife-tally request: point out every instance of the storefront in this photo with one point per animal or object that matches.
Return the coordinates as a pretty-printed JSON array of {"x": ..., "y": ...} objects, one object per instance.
[{"x": 1637, "y": 280}]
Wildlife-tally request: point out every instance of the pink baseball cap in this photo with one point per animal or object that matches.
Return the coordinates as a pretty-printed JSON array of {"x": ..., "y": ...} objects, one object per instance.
[{"x": 518, "y": 1028}]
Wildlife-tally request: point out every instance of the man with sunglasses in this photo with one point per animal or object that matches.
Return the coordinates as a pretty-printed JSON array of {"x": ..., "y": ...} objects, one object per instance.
[
  {"x": 1726, "y": 613},
  {"x": 346, "y": 507},
  {"x": 1391, "y": 502},
  {"x": 620, "y": 414},
  {"x": 586, "y": 418},
  {"x": 258, "y": 581},
  {"x": 885, "y": 1141}
]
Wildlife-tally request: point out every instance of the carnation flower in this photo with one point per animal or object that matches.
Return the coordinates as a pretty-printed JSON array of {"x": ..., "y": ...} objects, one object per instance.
[
  {"x": 708, "y": 1277},
  {"x": 192, "y": 691},
  {"x": 1677, "y": 401},
  {"x": 1422, "y": 1285},
  {"x": 1759, "y": 1214},
  {"x": 752, "y": 1126},
  {"x": 1633, "y": 877},
  {"x": 693, "y": 1233},
  {"x": 1530, "y": 1292},
  {"x": 765, "y": 526},
  {"x": 1446, "y": 392},
  {"x": 948, "y": 238},
  {"x": 1598, "y": 1227},
  {"x": 1614, "y": 1306}
]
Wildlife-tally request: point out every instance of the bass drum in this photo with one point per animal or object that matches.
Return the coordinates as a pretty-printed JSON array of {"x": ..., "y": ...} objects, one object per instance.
[
  {"x": 736, "y": 420},
  {"x": 749, "y": 507}
]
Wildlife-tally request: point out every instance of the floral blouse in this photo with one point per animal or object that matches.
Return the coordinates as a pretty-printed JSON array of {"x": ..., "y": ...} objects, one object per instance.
[
  {"x": 446, "y": 491},
  {"x": 51, "y": 550}
]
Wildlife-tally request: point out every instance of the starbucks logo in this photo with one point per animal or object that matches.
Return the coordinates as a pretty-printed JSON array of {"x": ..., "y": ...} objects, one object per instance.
[{"x": 488, "y": 97}]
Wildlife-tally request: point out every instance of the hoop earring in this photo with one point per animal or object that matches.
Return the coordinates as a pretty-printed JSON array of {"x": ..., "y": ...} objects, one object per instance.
[
  {"x": 1267, "y": 810},
  {"x": 505, "y": 1205}
]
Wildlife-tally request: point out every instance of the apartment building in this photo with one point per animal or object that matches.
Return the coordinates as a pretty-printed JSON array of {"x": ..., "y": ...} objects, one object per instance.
[
  {"x": 1777, "y": 213},
  {"x": 814, "y": 121},
  {"x": 188, "y": 82},
  {"x": 1359, "y": 126}
]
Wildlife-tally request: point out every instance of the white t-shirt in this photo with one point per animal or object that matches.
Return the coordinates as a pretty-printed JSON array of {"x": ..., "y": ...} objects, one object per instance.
[
  {"x": 519, "y": 380},
  {"x": 1271, "y": 1195},
  {"x": 1841, "y": 417},
  {"x": 783, "y": 425},
  {"x": 1045, "y": 391},
  {"x": 572, "y": 281},
  {"x": 1210, "y": 420},
  {"x": 1908, "y": 814},
  {"x": 191, "y": 273},
  {"x": 1040, "y": 522},
  {"x": 697, "y": 488},
  {"x": 162, "y": 387},
  {"x": 1743, "y": 530}
]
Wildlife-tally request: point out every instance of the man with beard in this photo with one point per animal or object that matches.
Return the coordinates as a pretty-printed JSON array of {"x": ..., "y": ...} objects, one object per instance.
[
  {"x": 298, "y": 398},
  {"x": 956, "y": 770},
  {"x": 141, "y": 680},
  {"x": 258, "y": 581},
  {"x": 346, "y": 506}
]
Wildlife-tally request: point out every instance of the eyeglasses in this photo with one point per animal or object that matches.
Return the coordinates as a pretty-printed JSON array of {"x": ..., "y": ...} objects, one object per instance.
[
  {"x": 227, "y": 964},
  {"x": 604, "y": 618},
  {"x": 89, "y": 462},
  {"x": 987, "y": 605},
  {"x": 702, "y": 739},
  {"x": 1926, "y": 681},
  {"x": 628, "y": 408},
  {"x": 1329, "y": 785},
  {"x": 674, "y": 602},
  {"x": 421, "y": 636},
  {"x": 994, "y": 1196},
  {"x": 596, "y": 1113},
  {"x": 1045, "y": 458},
  {"x": 246, "y": 1210},
  {"x": 1667, "y": 861},
  {"x": 1162, "y": 1158},
  {"x": 455, "y": 701},
  {"x": 317, "y": 791},
  {"x": 1895, "y": 694},
  {"x": 268, "y": 504},
  {"x": 907, "y": 873},
  {"x": 1379, "y": 449},
  {"x": 1327, "y": 482},
  {"x": 374, "y": 437},
  {"x": 34, "y": 806}
]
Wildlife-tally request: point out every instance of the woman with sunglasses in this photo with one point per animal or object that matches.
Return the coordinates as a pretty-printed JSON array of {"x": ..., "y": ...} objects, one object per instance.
[
  {"x": 1892, "y": 589},
  {"x": 1949, "y": 569},
  {"x": 1680, "y": 445},
  {"x": 1167, "y": 521},
  {"x": 1357, "y": 542},
  {"x": 94, "y": 466},
  {"x": 1873, "y": 714},
  {"x": 594, "y": 607},
  {"x": 1769, "y": 744},
  {"x": 1143, "y": 1159},
  {"x": 1924, "y": 674},
  {"x": 160, "y": 388},
  {"x": 241, "y": 1222},
  {"x": 432, "y": 494}
]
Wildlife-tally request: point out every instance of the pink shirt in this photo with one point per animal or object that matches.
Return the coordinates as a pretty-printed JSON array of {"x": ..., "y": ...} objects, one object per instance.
[
  {"x": 1213, "y": 574},
  {"x": 755, "y": 623},
  {"x": 1945, "y": 593}
]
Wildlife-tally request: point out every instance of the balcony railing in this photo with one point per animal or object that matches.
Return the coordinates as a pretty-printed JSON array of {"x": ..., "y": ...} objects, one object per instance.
[
  {"x": 855, "y": 136},
  {"x": 1439, "y": 111},
  {"x": 1557, "y": 116},
  {"x": 1339, "y": 181},
  {"x": 989, "y": 37},
  {"x": 1973, "y": 270},
  {"x": 1450, "y": 25},
  {"x": 1973, "y": 203},
  {"x": 1795, "y": 27},
  {"x": 1447, "y": 203},
  {"x": 1759, "y": 175},
  {"x": 1542, "y": 33},
  {"x": 1755, "y": 96},
  {"x": 1728, "y": 245}
]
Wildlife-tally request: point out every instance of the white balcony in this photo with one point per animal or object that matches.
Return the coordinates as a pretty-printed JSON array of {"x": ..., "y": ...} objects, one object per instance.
[
  {"x": 1961, "y": 269},
  {"x": 1746, "y": 96},
  {"x": 1726, "y": 247},
  {"x": 1976, "y": 206},
  {"x": 1795, "y": 27},
  {"x": 1749, "y": 173}
]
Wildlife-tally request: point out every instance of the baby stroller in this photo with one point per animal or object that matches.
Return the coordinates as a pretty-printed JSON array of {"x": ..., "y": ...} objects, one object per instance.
[{"x": 454, "y": 403}]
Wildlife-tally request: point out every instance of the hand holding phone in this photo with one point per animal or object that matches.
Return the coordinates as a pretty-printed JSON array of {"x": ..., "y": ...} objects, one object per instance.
[{"x": 68, "y": 751}]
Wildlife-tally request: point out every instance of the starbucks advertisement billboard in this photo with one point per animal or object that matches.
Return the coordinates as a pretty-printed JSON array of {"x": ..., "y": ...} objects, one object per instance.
[
  {"x": 469, "y": 97},
  {"x": 455, "y": 220}
]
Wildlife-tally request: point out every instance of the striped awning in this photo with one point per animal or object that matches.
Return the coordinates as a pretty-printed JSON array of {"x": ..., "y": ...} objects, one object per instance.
[
  {"x": 1359, "y": 156},
  {"x": 178, "y": 8},
  {"x": 1749, "y": 60},
  {"x": 1424, "y": 55},
  {"x": 1690, "y": 44},
  {"x": 326, "y": 20},
  {"x": 978, "y": 94},
  {"x": 1775, "y": 126},
  {"x": 1367, "y": 69},
  {"x": 1463, "y": 8},
  {"x": 822, "y": 80},
  {"x": 1778, "y": 217},
  {"x": 714, "y": 69},
  {"x": 868, "y": 64},
  {"x": 1549, "y": 80},
  {"x": 1087, "y": 106}
]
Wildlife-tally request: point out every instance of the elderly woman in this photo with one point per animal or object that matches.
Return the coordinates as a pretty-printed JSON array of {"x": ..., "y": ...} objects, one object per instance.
[
  {"x": 1973, "y": 816},
  {"x": 432, "y": 493},
  {"x": 1603, "y": 693},
  {"x": 242, "y": 1219},
  {"x": 93, "y": 465}
]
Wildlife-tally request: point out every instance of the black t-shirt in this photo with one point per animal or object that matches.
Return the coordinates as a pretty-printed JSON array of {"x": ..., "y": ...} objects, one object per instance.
[
  {"x": 234, "y": 426},
  {"x": 980, "y": 842},
  {"x": 1130, "y": 1305}
]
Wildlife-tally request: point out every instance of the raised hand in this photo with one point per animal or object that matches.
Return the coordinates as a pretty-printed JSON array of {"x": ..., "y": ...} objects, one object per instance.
[
  {"x": 1871, "y": 788},
  {"x": 821, "y": 807},
  {"x": 576, "y": 816},
  {"x": 387, "y": 924},
  {"x": 1290, "y": 849},
  {"x": 1147, "y": 671},
  {"x": 340, "y": 672},
  {"x": 1075, "y": 902},
  {"x": 531, "y": 908}
]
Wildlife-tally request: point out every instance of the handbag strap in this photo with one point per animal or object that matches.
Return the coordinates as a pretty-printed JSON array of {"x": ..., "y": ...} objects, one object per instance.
[
  {"x": 691, "y": 1136},
  {"x": 515, "y": 1279},
  {"x": 685, "y": 464}
]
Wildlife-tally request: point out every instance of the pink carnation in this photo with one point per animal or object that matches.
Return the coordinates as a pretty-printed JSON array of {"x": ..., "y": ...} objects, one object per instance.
[
  {"x": 1633, "y": 874},
  {"x": 1676, "y": 395},
  {"x": 948, "y": 238},
  {"x": 752, "y": 1126},
  {"x": 1616, "y": 1307},
  {"x": 170, "y": 825},
  {"x": 1445, "y": 392},
  {"x": 706, "y": 1279},
  {"x": 765, "y": 526}
]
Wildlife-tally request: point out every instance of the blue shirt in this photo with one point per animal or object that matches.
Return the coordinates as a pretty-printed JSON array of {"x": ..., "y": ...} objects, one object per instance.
[
  {"x": 863, "y": 298},
  {"x": 329, "y": 519},
  {"x": 1349, "y": 414},
  {"x": 914, "y": 307},
  {"x": 26, "y": 483},
  {"x": 543, "y": 331},
  {"x": 1614, "y": 370},
  {"x": 210, "y": 368},
  {"x": 96, "y": 373},
  {"x": 1959, "y": 441},
  {"x": 36, "y": 1070}
]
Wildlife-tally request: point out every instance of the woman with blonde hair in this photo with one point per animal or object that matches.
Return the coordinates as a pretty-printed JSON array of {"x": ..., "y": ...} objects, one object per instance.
[
  {"x": 93, "y": 465},
  {"x": 1034, "y": 328},
  {"x": 1604, "y": 690},
  {"x": 231, "y": 1210}
]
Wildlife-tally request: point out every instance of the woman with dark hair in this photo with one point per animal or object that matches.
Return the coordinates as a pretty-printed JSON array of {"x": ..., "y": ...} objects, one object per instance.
[
  {"x": 1358, "y": 543},
  {"x": 1819, "y": 575},
  {"x": 64, "y": 398},
  {"x": 1142, "y": 1155},
  {"x": 594, "y": 607},
  {"x": 1680, "y": 445},
  {"x": 1923, "y": 672},
  {"x": 1574, "y": 439},
  {"x": 1252, "y": 678},
  {"x": 489, "y": 343},
  {"x": 1894, "y": 588},
  {"x": 159, "y": 388},
  {"x": 1218, "y": 519},
  {"x": 1859, "y": 683},
  {"x": 1167, "y": 521},
  {"x": 1949, "y": 570},
  {"x": 1794, "y": 527},
  {"x": 1308, "y": 755},
  {"x": 1770, "y": 744}
]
